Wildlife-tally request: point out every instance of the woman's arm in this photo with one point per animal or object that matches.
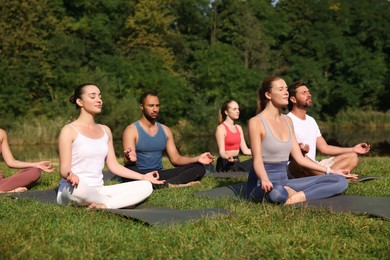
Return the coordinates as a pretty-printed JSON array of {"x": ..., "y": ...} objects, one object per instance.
[
  {"x": 220, "y": 134},
  {"x": 116, "y": 168},
  {"x": 256, "y": 133},
  {"x": 65, "y": 140},
  {"x": 13, "y": 163},
  {"x": 244, "y": 148}
]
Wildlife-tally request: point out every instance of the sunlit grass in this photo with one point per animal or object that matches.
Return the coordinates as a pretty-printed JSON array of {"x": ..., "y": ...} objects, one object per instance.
[{"x": 33, "y": 230}]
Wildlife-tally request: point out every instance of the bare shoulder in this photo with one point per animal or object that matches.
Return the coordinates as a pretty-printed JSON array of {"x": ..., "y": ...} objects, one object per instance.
[
  {"x": 220, "y": 128},
  {"x": 167, "y": 130},
  {"x": 68, "y": 133},
  {"x": 255, "y": 120},
  {"x": 3, "y": 134},
  {"x": 106, "y": 129},
  {"x": 289, "y": 120},
  {"x": 131, "y": 130},
  {"x": 66, "y": 129},
  {"x": 255, "y": 124}
]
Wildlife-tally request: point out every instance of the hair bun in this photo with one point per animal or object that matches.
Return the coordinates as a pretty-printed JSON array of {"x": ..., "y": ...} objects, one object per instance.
[{"x": 72, "y": 100}]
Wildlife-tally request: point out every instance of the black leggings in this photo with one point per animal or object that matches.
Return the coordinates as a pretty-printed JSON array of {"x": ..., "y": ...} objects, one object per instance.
[
  {"x": 223, "y": 165},
  {"x": 178, "y": 175}
]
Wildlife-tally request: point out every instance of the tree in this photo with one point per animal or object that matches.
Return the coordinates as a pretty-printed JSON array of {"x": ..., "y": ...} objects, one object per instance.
[
  {"x": 150, "y": 28},
  {"x": 26, "y": 74}
]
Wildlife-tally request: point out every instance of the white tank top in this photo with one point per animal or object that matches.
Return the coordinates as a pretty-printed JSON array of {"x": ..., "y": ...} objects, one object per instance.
[{"x": 88, "y": 159}]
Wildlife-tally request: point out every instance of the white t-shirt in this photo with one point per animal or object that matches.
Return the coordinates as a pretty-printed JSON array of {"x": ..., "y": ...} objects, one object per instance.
[{"x": 306, "y": 131}]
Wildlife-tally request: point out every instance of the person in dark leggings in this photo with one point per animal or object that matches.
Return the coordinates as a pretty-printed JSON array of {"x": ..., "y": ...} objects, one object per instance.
[
  {"x": 230, "y": 140},
  {"x": 272, "y": 140},
  {"x": 145, "y": 140},
  {"x": 30, "y": 173}
]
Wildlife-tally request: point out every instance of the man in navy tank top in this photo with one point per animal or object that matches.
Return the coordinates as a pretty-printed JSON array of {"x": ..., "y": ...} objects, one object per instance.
[{"x": 145, "y": 141}]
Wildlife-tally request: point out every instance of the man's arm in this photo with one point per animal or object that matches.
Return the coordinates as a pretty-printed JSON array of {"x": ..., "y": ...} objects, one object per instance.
[
  {"x": 327, "y": 149},
  {"x": 176, "y": 159},
  {"x": 129, "y": 141}
]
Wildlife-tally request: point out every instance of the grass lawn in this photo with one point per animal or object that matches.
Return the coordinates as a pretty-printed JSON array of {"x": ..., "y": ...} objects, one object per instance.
[{"x": 32, "y": 230}]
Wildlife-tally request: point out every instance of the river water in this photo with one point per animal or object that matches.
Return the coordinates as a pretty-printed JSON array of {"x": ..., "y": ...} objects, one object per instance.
[{"x": 190, "y": 145}]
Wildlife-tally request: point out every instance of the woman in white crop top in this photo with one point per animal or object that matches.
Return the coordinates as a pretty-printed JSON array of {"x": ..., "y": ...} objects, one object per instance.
[
  {"x": 84, "y": 148},
  {"x": 272, "y": 140}
]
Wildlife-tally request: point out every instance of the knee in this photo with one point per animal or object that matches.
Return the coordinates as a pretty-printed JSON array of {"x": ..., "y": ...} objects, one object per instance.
[
  {"x": 342, "y": 183},
  {"x": 200, "y": 170},
  {"x": 33, "y": 173},
  {"x": 278, "y": 195},
  {"x": 147, "y": 187},
  {"x": 353, "y": 159}
]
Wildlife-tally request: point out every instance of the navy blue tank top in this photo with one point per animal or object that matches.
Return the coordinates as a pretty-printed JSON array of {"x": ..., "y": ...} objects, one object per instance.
[{"x": 150, "y": 148}]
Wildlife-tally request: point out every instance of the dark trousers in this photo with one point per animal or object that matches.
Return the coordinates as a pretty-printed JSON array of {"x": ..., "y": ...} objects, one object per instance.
[
  {"x": 223, "y": 165},
  {"x": 178, "y": 175}
]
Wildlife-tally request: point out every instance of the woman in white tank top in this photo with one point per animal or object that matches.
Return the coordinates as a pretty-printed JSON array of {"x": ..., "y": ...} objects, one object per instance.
[{"x": 85, "y": 147}]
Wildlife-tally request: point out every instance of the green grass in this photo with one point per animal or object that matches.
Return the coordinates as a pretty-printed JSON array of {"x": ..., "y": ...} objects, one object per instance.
[{"x": 29, "y": 229}]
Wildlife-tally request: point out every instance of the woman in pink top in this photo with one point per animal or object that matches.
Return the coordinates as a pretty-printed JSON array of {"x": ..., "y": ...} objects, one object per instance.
[
  {"x": 29, "y": 174},
  {"x": 230, "y": 140}
]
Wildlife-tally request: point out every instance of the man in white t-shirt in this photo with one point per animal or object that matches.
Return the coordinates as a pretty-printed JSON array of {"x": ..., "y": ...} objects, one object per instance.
[{"x": 310, "y": 139}]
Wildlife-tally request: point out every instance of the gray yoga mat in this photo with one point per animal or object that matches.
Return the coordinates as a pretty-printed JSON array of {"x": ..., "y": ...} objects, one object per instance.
[
  {"x": 142, "y": 212},
  {"x": 373, "y": 206}
]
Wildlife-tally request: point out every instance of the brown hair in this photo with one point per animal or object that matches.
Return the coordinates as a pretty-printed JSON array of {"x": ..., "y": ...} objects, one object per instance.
[
  {"x": 266, "y": 86},
  {"x": 221, "y": 115},
  {"x": 79, "y": 90},
  {"x": 292, "y": 91}
]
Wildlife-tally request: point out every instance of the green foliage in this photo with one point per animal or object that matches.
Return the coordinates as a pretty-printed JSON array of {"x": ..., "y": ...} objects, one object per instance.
[
  {"x": 150, "y": 28},
  {"x": 335, "y": 39},
  {"x": 194, "y": 53},
  {"x": 220, "y": 75}
]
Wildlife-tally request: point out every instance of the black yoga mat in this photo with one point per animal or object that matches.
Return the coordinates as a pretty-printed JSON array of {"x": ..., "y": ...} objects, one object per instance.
[
  {"x": 167, "y": 216},
  {"x": 372, "y": 206},
  {"x": 227, "y": 174},
  {"x": 234, "y": 191},
  {"x": 210, "y": 172},
  {"x": 142, "y": 212},
  {"x": 366, "y": 178}
]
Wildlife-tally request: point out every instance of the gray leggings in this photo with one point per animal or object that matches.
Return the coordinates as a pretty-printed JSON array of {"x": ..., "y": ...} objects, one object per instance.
[{"x": 314, "y": 187}]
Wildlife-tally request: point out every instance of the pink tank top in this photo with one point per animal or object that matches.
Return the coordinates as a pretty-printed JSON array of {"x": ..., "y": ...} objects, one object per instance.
[{"x": 232, "y": 140}]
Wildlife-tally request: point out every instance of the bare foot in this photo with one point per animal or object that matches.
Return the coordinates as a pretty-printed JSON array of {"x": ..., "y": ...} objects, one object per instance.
[
  {"x": 19, "y": 189},
  {"x": 297, "y": 197},
  {"x": 290, "y": 191},
  {"x": 192, "y": 183},
  {"x": 96, "y": 206}
]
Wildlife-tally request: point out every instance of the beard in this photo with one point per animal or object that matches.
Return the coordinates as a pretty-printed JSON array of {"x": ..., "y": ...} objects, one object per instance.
[
  {"x": 307, "y": 104},
  {"x": 150, "y": 118}
]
